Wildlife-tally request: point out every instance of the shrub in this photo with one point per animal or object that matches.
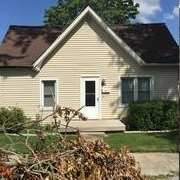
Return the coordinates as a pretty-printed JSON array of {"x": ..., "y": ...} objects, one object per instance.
[
  {"x": 171, "y": 114},
  {"x": 11, "y": 116},
  {"x": 153, "y": 115}
]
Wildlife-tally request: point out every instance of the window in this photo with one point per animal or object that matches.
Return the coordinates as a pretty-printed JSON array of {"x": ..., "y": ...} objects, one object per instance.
[
  {"x": 49, "y": 93},
  {"x": 135, "y": 89},
  {"x": 90, "y": 93},
  {"x": 143, "y": 89},
  {"x": 127, "y": 90}
]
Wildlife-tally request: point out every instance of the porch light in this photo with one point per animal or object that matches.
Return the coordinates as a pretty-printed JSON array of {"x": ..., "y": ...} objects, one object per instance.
[{"x": 103, "y": 82}]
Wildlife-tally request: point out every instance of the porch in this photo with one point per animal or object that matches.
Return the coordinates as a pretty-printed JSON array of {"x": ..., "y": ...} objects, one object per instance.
[{"x": 94, "y": 126}]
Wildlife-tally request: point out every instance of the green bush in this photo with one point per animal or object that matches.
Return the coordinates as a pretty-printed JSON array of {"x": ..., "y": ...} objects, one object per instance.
[
  {"x": 153, "y": 115},
  {"x": 11, "y": 116}
]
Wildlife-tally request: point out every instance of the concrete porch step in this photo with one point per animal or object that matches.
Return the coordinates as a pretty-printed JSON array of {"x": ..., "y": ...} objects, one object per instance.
[{"x": 94, "y": 126}]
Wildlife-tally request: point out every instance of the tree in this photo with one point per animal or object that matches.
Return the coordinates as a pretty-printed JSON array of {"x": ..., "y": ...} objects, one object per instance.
[{"x": 111, "y": 11}]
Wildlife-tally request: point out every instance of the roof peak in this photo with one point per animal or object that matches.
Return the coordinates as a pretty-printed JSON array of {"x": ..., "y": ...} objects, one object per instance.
[{"x": 143, "y": 42}]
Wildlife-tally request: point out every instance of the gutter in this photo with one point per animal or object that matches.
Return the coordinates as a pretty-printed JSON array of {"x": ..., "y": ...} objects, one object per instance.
[{"x": 162, "y": 64}]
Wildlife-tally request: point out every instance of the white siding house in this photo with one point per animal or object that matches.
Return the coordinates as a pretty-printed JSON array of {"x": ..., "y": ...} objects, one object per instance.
[{"x": 89, "y": 65}]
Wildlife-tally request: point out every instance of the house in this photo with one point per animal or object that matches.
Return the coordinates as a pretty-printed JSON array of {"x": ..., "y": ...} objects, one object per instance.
[{"x": 89, "y": 64}]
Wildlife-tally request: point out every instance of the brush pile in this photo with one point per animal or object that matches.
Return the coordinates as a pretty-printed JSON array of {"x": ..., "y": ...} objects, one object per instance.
[
  {"x": 73, "y": 160},
  {"x": 64, "y": 159}
]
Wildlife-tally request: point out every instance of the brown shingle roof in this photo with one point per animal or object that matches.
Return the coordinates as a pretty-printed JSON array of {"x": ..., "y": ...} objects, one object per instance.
[
  {"x": 23, "y": 45},
  {"x": 152, "y": 42}
]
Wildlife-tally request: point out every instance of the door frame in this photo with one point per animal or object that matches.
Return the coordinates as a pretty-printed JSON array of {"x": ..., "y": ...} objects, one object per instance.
[{"x": 81, "y": 90}]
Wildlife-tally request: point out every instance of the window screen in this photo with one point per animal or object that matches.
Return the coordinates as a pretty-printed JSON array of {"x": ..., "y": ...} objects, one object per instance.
[
  {"x": 127, "y": 90},
  {"x": 143, "y": 89},
  {"x": 49, "y": 93}
]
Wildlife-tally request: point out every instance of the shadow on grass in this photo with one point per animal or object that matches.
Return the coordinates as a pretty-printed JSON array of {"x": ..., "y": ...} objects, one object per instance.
[
  {"x": 172, "y": 137},
  {"x": 145, "y": 142},
  {"x": 18, "y": 143}
]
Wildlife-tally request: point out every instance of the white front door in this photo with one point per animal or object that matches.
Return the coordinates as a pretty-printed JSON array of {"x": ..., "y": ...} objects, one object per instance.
[{"x": 90, "y": 88}]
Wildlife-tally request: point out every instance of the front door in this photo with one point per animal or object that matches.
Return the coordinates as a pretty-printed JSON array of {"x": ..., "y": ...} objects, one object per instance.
[{"x": 90, "y": 97}]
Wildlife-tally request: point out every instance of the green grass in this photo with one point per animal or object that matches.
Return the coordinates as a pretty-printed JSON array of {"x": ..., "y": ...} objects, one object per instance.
[
  {"x": 136, "y": 142},
  {"x": 145, "y": 142},
  {"x": 161, "y": 177},
  {"x": 19, "y": 142}
]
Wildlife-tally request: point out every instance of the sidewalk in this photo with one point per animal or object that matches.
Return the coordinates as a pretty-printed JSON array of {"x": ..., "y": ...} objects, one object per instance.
[{"x": 158, "y": 163}]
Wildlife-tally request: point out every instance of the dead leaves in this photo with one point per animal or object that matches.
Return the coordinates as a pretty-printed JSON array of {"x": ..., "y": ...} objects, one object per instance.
[
  {"x": 6, "y": 172},
  {"x": 72, "y": 160},
  {"x": 96, "y": 161},
  {"x": 77, "y": 160}
]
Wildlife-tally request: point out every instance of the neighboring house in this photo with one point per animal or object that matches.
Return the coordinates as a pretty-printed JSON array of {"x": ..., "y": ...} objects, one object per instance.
[{"x": 88, "y": 63}]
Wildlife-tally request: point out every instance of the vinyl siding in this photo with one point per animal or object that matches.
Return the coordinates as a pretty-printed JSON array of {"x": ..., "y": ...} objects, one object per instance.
[{"x": 88, "y": 50}]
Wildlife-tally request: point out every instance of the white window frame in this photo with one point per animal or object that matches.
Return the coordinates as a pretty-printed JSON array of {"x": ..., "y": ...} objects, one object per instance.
[
  {"x": 135, "y": 81},
  {"x": 42, "y": 93}
]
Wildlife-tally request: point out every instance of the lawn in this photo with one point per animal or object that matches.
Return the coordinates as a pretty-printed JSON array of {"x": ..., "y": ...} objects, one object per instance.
[
  {"x": 145, "y": 142},
  {"x": 18, "y": 142},
  {"x": 163, "y": 177},
  {"x": 136, "y": 142}
]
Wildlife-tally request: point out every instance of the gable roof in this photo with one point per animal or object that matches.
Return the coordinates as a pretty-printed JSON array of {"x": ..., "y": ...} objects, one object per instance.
[
  {"x": 26, "y": 46},
  {"x": 98, "y": 20}
]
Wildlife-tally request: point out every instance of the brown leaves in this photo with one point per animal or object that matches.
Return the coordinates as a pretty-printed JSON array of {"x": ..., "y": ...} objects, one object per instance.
[
  {"x": 68, "y": 113},
  {"x": 5, "y": 172},
  {"x": 96, "y": 161},
  {"x": 72, "y": 160},
  {"x": 78, "y": 160}
]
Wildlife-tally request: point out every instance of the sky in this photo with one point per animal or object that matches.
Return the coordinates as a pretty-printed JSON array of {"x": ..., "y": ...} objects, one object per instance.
[{"x": 31, "y": 12}]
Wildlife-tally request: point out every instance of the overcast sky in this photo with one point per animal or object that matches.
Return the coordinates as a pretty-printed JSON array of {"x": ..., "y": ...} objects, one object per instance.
[{"x": 28, "y": 12}]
